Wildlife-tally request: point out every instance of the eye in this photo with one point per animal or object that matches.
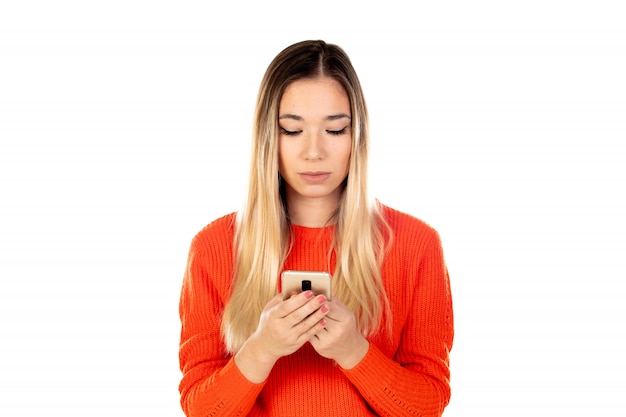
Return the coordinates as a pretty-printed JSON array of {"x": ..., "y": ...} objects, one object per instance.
[
  {"x": 289, "y": 132},
  {"x": 338, "y": 132}
]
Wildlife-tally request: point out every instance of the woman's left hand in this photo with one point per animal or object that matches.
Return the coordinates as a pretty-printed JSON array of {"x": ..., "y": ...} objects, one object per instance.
[{"x": 340, "y": 339}]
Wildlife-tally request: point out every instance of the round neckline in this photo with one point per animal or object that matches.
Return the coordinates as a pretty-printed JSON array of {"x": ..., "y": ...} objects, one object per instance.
[
  {"x": 314, "y": 233},
  {"x": 298, "y": 226}
]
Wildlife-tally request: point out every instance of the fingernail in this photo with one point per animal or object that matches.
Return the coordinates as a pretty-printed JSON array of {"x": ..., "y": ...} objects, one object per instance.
[
  {"x": 323, "y": 322},
  {"x": 321, "y": 299},
  {"x": 324, "y": 309},
  {"x": 308, "y": 294}
]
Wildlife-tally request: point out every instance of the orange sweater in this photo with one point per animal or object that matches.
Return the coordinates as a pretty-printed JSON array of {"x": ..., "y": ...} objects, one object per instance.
[{"x": 406, "y": 374}]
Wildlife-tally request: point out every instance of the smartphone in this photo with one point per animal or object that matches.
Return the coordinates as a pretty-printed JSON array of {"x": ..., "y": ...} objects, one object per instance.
[{"x": 293, "y": 282}]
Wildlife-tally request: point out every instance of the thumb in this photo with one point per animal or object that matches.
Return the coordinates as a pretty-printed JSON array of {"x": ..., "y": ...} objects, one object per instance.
[{"x": 275, "y": 300}]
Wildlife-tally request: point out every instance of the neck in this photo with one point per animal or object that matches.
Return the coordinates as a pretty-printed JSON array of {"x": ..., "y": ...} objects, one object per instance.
[{"x": 312, "y": 212}]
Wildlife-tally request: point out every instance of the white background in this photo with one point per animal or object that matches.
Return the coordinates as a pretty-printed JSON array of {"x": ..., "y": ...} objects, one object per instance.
[{"x": 124, "y": 129}]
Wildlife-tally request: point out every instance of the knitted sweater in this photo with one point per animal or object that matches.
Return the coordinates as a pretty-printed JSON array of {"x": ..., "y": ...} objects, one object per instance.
[{"x": 406, "y": 374}]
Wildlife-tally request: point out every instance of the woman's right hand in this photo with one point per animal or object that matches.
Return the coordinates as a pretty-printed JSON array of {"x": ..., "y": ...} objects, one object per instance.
[{"x": 284, "y": 326}]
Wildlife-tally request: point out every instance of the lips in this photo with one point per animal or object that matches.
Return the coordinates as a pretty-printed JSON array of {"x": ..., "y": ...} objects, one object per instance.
[{"x": 314, "y": 177}]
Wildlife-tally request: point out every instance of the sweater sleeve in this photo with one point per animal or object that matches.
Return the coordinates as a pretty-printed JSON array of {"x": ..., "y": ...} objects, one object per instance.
[
  {"x": 211, "y": 383},
  {"x": 416, "y": 381}
]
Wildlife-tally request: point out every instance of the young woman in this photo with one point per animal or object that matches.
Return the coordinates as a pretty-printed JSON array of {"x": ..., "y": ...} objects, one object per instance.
[{"x": 380, "y": 345}]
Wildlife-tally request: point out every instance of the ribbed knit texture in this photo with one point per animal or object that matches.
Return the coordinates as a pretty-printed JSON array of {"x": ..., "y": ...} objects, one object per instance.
[{"x": 403, "y": 374}]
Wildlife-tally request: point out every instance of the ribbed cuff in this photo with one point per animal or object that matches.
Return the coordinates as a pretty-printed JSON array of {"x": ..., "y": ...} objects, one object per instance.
[
  {"x": 236, "y": 390},
  {"x": 369, "y": 368},
  {"x": 232, "y": 377}
]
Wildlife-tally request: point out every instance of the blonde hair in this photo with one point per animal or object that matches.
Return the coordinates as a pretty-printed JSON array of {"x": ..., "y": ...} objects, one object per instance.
[{"x": 263, "y": 230}]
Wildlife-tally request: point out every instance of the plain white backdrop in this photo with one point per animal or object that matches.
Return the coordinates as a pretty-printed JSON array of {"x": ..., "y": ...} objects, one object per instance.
[{"x": 124, "y": 129}]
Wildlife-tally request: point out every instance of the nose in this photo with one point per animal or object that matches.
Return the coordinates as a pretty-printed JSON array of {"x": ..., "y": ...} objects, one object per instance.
[{"x": 314, "y": 146}]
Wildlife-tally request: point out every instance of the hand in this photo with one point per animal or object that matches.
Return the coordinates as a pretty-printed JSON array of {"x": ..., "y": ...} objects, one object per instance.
[
  {"x": 340, "y": 339},
  {"x": 283, "y": 328}
]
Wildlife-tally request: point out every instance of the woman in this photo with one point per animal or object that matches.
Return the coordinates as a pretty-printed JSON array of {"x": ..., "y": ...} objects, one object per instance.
[{"x": 380, "y": 345}]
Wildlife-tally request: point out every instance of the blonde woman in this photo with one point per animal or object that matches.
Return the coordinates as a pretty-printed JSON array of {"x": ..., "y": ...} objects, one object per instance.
[{"x": 380, "y": 344}]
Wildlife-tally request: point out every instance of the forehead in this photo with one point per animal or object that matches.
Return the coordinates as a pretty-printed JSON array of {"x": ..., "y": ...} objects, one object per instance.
[{"x": 315, "y": 97}]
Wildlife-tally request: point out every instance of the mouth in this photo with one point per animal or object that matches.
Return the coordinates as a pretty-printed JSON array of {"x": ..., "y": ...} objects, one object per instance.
[{"x": 314, "y": 176}]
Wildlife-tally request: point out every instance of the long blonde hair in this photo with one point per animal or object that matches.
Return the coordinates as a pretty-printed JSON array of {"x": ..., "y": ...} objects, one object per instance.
[{"x": 263, "y": 230}]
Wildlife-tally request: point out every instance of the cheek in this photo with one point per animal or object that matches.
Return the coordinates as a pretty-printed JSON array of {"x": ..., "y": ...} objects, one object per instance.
[
  {"x": 345, "y": 153},
  {"x": 283, "y": 158},
  {"x": 281, "y": 165}
]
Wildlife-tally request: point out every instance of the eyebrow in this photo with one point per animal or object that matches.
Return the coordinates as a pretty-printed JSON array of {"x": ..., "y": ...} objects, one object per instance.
[{"x": 299, "y": 118}]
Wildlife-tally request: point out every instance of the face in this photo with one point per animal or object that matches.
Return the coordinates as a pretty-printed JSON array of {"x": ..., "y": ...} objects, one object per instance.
[{"x": 315, "y": 139}]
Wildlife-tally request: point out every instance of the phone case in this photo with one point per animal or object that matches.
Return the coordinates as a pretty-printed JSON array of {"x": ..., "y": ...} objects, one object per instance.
[{"x": 293, "y": 282}]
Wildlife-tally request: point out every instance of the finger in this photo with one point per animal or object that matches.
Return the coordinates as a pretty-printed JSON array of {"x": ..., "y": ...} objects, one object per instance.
[
  {"x": 293, "y": 303},
  {"x": 314, "y": 332},
  {"x": 274, "y": 301},
  {"x": 315, "y": 321},
  {"x": 338, "y": 312},
  {"x": 313, "y": 305},
  {"x": 291, "y": 294}
]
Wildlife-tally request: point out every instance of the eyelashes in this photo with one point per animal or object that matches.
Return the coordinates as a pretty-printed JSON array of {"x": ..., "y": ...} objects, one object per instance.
[
  {"x": 338, "y": 132},
  {"x": 289, "y": 132},
  {"x": 297, "y": 132}
]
